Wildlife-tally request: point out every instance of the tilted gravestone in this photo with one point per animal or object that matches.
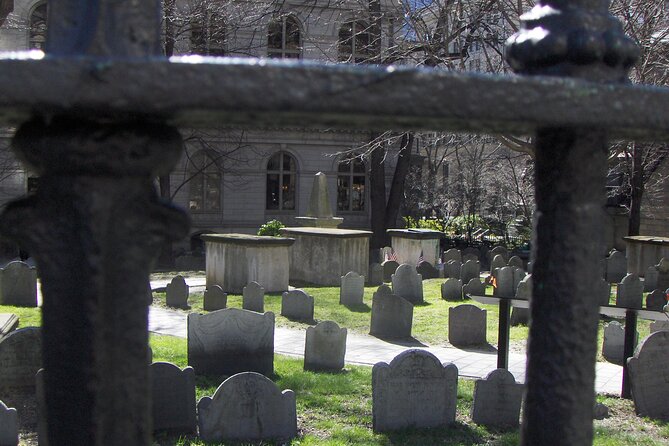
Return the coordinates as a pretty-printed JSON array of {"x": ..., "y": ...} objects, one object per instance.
[
  {"x": 9, "y": 426},
  {"x": 352, "y": 289},
  {"x": 389, "y": 268},
  {"x": 613, "y": 347},
  {"x": 659, "y": 326},
  {"x": 451, "y": 289},
  {"x": 414, "y": 391},
  {"x": 504, "y": 277},
  {"x": 408, "y": 284},
  {"x": 452, "y": 254},
  {"x": 247, "y": 407},
  {"x": 392, "y": 316},
  {"x": 630, "y": 292},
  {"x": 177, "y": 293},
  {"x": 375, "y": 274},
  {"x": 18, "y": 285},
  {"x": 471, "y": 269},
  {"x": 173, "y": 398},
  {"x": 20, "y": 359},
  {"x": 467, "y": 325},
  {"x": 497, "y": 262},
  {"x": 524, "y": 289},
  {"x": 229, "y": 341},
  {"x": 656, "y": 300},
  {"x": 253, "y": 297},
  {"x": 214, "y": 298},
  {"x": 516, "y": 262},
  {"x": 474, "y": 287},
  {"x": 603, "y": 291},
  {"x": 325, "y": 347},
  {"x": 616, "y": 266},
  {"x": 8, "y": 323},
  {"x": 452, "y": 269},
  {"x": 297, "y": 305},
  {"x": 497, "y": 400},
  {"x": 649, "y": 377},
  {"x": 650, "y": 278},
  {"x": 427, "y": 270}
]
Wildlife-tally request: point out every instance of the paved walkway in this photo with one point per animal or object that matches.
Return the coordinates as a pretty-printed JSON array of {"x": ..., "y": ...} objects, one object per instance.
[{"x": 368, "y": 350}]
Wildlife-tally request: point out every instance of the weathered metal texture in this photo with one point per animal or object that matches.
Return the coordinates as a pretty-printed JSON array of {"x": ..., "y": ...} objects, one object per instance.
[
  {"x": 571, "y": 38},
  {"x": 201, "y": 92}
]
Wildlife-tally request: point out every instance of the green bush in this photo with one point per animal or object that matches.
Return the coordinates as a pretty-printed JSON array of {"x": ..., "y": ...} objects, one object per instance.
[
  {"x": 271, "y": 228},
  {"x": 436, "y": 224}
]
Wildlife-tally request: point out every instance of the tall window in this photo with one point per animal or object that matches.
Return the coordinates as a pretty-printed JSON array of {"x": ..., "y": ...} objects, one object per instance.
[
  {"x": 351, "y": 185},
  {"x": 355, "y": 43},
  {"x": 283, "y": 39},
  {"x": 37, "y": 37},
  {"x": 281, "y": 179},
  {"x": 205, "y": 184},
  {"x": 207, "y": 36}
]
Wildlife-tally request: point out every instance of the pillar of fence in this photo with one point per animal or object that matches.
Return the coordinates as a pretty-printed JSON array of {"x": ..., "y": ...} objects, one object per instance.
[{"x": 577, "y": 38}]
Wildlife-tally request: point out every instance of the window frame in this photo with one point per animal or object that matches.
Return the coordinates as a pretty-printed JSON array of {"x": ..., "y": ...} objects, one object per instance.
[
  {"x": 350, "y": 175},
  {"x": 37, "y": 37},
  {"x": 203, "y": 45},
  {"x": 357, "y": 30},
  {"x": 282, "y": 173},
  {"x": 203, "y": 174},
  {"x": 284, "y": 52}
]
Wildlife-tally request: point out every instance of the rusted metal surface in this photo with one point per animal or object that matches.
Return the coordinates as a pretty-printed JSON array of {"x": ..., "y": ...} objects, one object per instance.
[{"x": 247, "y": 93}]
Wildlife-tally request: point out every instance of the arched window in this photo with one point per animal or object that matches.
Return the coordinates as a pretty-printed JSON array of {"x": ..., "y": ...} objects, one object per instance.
[
  {"x": 205, "y": 184},
  {"x": 351, "y": 185},
  {"x": 37, "y": 38},
  {"x": 281, "y": 180},
  {"x": 207, "y": 34},
  {"x": 355, "y": 43},
  {"x": 283, "y": 38}
]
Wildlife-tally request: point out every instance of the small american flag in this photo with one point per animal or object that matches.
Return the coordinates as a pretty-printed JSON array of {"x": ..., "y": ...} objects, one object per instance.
[
  {"x": 421, "y": 258},
  {"x": 391, "y": 255}
]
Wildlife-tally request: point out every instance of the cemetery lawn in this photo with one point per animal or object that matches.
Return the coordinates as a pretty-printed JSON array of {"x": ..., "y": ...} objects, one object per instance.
[
  {"x": 28, "y": 317},
  {"x": 335, "y": 409}
]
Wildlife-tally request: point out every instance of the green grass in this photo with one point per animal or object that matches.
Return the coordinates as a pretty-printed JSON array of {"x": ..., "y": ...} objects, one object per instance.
[{"x": 28, "y": 317}]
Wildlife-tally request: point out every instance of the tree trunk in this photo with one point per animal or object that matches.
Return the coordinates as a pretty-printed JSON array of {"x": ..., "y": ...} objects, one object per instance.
[
  {"x": 399, "y": 177},
  {"x": 634, "y": 222},
  {"x": 377, "y": 194}
]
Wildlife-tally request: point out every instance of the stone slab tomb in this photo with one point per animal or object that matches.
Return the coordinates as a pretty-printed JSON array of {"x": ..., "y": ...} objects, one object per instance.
[
  {"x": 471, "y": 269},
  {"x": 650, "y": 278},
  {"x": 247, "y": 407},
  {"x": 173, "y": 398},
  {"x": 392, "y": 316},
  {"x": 230, "y": 341},
  {"x": 352, "y": 289},
  {"x": 9, "y": 426},
  {"x": 427, "y": 270},
  {"x": 408, "y": 284},
  {"x": 452, "y": 269},
  {"x": 375, "y": 274},
  {"x": 253, "y": 297},
  {"x": 297, "y": 305},
  {"x": 497, "y": 400},
  {"x": 451, "y": 289},
  {"x": 215, "y": 298},
  {"x": 467, "y": 325},
  {"x": 649, "y": 376},
  {"x": 389, "y": 268},
  {"x": 616, "y": 266},
  {"x": 630, "y": 292},
  {"x": 474, "y": 287},
  {"x": 656, "y": 300},
  {"x": 325, "y": 347},
  {"x": 20, "y": 359},
  {"x": 18, "y": 285},
  {"x": 414, "y": 391},
  {"x": 177, "y": 293},
  {"x": 452, "y": 254},
  {"x": 613, "y": 346}
]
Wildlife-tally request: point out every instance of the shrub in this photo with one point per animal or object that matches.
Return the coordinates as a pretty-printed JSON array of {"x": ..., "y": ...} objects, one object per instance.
[
  {"x": 271, "y": 228},
  {"x": 436, "y": 224}
]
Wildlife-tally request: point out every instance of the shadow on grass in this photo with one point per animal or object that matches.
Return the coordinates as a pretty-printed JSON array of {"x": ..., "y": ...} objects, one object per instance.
[
  {"x": 359, "y": 308},
  {"x": 455, "y": 434},
  {"x": 405, "y": 342},
  {"x": 481, "y": 348}
]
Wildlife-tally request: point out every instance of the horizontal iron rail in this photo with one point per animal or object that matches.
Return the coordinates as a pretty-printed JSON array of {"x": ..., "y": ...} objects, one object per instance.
[{"x": 197, "y": 91}]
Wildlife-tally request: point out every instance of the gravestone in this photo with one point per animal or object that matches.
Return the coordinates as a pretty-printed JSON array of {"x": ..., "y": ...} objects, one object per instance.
[
  {"x": 414, "y": 391},
  {"x": 392, "y": 316},
  {"x": 662, "y": 274},
  {"x": 650, "y": 279},
  {"x": 375, "y": 274},
  {"x": 616, "y": 266},
  {"x": 497, "y": 262},
  {"x": 452, "y": 254},
  {"x": 18, "y": 285},
  {"x": 649, "y": 378},
  {"x": 253, "y": 297},
  {"x": 8, "y": 323},
  {"x": 325, "y": 347},
  {"x": 519, "y": 316},
  {"x": 656, "y": 300},
  {"x": 630, "y": 292},
  {"x": 518, "y": 275},
  {"x": 389, "y": 268},
  {"x": 471, "y": 269},
  {"x": 603, "y": 291},
  {"x": 505, "y": 280},
  {"x": 466, "y": 257},
  {"x": 427, "y": 270},
  {"x": 214, "y": 298},
  {"x": 452, "y": 269},
  {"x": 614, "y": 342},
  {"x": 497, "y": 400},
  {"x": 451, "y": 289},
  {"x": 474, "y": 287},
  {"x": 229, "y": 341},
  {"x": 173, "y": 398},
  {"x": 524, "y": 289},
  {"x": 352, "y": 289},
  {"x": 297, "y": 305},
  {"x": 659, "y": 326},
  {"x": 177, "y": 293},
  {"x": 467, "y": 325},
  {"x": 499, "y": 250},
  {"x": 247, "y": 407},
  {"x": 20, "y": 359},
  {"x": 9, "y": 426},
  {"x": 516, "y": 262},
  {"x": 408, "y": 284}
]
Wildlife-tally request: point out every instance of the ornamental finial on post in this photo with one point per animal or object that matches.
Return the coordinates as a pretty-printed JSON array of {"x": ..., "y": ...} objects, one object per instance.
[{"x": 572, "y": 39}]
